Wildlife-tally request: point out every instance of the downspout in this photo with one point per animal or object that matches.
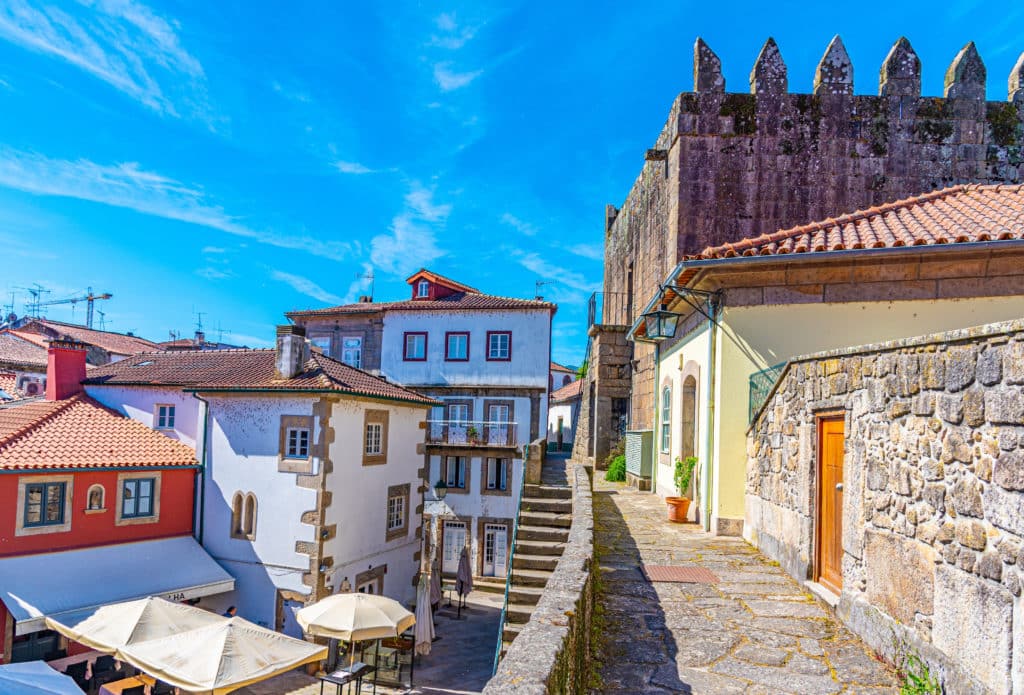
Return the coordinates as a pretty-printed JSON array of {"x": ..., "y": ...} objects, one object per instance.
[
  {"x": 656, "y": 434},
  {"x": 710, "y": 439},
  {"x": 201, "y": 471}
]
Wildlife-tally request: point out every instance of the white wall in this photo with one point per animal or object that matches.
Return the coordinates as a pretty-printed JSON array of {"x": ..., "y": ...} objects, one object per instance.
[
  {"x": 360, "y": 495},
  {"x": 531, "y": 345},
  {"x": 566, "y": 411},
  {"x": 138, "y": 403}
]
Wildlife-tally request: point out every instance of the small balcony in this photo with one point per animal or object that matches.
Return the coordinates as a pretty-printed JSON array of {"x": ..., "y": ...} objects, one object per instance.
[{"x": 471, "y": 433}]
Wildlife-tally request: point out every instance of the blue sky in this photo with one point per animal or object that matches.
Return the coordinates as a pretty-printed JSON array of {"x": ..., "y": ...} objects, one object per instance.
[{"x": 242, "y": 159}]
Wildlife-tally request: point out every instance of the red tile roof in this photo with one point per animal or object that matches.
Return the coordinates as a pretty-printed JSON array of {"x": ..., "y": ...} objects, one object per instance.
[
  {"x": 567, "y": 392},
  {"x": 78, "y": 432},
  {"x": 227, "y": 370},
  {"x": 117, "y": 343},
  {"x": 8, "y": 381},
  {"x": 441, "y": 280},
  {"x": 555, "y": 367},
  {"x": 955, "y": 215},
  {"x": 16, "y": 349},
  {"x": 454, "y": 302}
]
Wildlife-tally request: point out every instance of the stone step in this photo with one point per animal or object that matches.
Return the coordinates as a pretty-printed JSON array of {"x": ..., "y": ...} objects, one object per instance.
[
  {"x": 543, "y": 504},
  {"x": 510, "y": 632},
  {"x": 494, "y": 585},
  {"x": 518, "y": 613},
  {"x": 532, "y": 578},
  {"x": 539, "y": 547},
  {"x": 548, "y": 491},
  {"x": 542, "y": 533},
  {"x": 545, "y": 519},
  {"x": 534, "y": 562},
  {"x": 526, "y": 595}
]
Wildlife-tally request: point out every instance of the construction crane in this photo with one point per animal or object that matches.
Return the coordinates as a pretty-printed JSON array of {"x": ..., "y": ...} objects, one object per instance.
[{"x": 89, "y": 299}]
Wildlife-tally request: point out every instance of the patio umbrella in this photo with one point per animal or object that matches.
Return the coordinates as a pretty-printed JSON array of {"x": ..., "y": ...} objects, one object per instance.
[
  {"x": 108, "y": 628},
  {"x": 221, "y": 657},
  {"x": 435, "y": 584},
  {"x": 464, "y": 577},
  {"x": 35, "y": 678},
  {"x": 424, "y": 619},
  {"x": 356, "y": 617}
]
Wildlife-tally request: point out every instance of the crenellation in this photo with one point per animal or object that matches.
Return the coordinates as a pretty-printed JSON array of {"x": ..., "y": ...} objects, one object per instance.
[
  {"x": 707, "y": 69},
  {"x": 900, "y": 75},
  {"x": 1015, "y": 83},
  {"x": 769, "y": 73},
  {"x": 965, "y": 78},
  {"x": 834, "y": 74}
]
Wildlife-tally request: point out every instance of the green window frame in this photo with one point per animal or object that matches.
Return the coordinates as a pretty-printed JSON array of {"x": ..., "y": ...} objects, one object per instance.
[
  {"x": 48, "y": 506},
  {"x": 137, "y": 501}
]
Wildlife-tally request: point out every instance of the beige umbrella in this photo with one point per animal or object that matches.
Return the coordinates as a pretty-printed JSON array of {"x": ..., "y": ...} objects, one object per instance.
[
  {"x": 435, "y": 584},
  {"x": 355, "y": 617},
  {"x": 424, "y": 634},
  {"x": 108, "y": 628},
  {"x": 464, "y": 577},
  {"x": 221, "y": 657}
]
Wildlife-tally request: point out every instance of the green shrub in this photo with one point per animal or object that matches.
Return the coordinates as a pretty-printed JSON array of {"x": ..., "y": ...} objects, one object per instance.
[
  {"x": 683, "y": 473},
  {"x": 616, "y": 469},
  {"x": 916, "y": 679}
]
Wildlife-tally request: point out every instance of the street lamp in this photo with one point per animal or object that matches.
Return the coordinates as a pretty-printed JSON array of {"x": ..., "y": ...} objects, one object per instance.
[
  {"x": 440, "y": 489},
  {"x": 660, "y": 324}
]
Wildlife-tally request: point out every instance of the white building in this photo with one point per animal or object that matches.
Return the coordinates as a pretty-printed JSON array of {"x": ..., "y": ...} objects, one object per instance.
[
  {"x": 311, "y": 469},
  {"x": 560, "y": 376},
  {"x": 487, "y": 359},
  {"x": 563, "y": 409}
]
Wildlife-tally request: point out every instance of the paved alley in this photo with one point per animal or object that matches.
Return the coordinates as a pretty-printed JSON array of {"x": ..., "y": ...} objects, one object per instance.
[{"x": 755, "y": 631}]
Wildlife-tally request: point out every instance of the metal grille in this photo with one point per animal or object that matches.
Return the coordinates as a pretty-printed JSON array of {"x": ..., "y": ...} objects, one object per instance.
[
  {"x": 761, "y": 384},
  {"x": 638, "y": 452},
  {"x": 681, "y": 574}
]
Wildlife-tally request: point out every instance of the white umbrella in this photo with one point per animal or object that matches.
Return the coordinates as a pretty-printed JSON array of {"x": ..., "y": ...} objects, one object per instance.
[
  {"x": 464, "y": 577},
  {"x": 356, "y": 617},
  {"x": 35, "y": 678},
  {"x": 435, "y": 584},
  {"x": 424, "y": 634},
  {"x": 221, "y": 657}
]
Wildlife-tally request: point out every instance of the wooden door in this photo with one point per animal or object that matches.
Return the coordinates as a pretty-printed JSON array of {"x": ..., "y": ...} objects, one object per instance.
[{"x": 830, "y": 503}]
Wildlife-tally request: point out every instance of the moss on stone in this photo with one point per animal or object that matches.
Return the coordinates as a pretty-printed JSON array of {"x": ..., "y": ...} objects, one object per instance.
[
  {"x": 689, "y": 103},
  {"x": 1004, "y": 122},
  {"x": 878, "y": 133},
  {"x": 743, "y": 109},
  {"x": 934, "y": 122}
]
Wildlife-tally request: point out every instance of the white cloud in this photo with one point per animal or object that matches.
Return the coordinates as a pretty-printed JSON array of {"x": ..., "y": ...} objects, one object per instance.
[
  {"x": 359, "y": 286},
  {"x": 518, "y": 224},
  {"x": 211, "y": 273},
  {"x": 122, "y": 42},
  {"x": 448, "y": 80},
  {"x": 450, "y": 35},
  {"x": 353, "y": 168},
  {"x": 592, "y": 251},
  {"x": 214, "y": 249},
  {"x": 550, "y": 271},
  {"x": 291, "y": 93},
  {"x": 126, "y": 185},
  {"x": 306, "y": 286},
  {"x": 411, "y": 241}
]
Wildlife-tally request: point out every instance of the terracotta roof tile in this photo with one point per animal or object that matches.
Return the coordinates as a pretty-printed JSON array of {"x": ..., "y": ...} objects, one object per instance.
[
  {"x": 453, "y": 302},
  {"x": 955, "y": 215},
  {"x": 8, "y": 381},
  {"x": 222, "y": 370},
  {"x": 78, "y": 432},
  {"x": 567, "y": 392},
  {"x": 441, "y": 280},
  {"x": 555, "y": 367},
  {"x": 117, "y": 343},
  {"x": 16, "y": 349}
]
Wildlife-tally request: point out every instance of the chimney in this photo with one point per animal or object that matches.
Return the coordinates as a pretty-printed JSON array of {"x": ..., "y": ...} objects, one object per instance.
[
  {"x": 200, "y": 338},
  {"x": 65, "y": 369},
  {"x": 365, "y": 299},
  {"x": 292, "y": 351}
]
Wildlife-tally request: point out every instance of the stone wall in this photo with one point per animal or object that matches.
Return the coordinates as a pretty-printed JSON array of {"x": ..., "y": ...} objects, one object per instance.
[
  {"x": 607, "y": 382},
  {"x": 732, "y": 165},
  {"x": 933, "y": 499},
  {"x": 553, "y": 652}
]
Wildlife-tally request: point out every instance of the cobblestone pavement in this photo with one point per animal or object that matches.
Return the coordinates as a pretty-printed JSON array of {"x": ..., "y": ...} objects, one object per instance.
[{"x": 755, "y": 631}]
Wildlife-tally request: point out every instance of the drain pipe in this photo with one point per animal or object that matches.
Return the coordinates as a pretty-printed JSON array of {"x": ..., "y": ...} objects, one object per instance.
[
  {"x": 715, "y": 306},
  {"x": 201, "y": 487}
]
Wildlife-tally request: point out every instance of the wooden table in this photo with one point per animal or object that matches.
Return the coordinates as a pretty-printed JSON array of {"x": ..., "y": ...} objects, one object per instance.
[
  {"x": 117, "y": 687},
  {"x": 90, "y": 656}
]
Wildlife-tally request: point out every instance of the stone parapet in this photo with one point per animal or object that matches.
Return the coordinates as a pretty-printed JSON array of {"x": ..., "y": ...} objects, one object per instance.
[{"x": 552, "y": 654}]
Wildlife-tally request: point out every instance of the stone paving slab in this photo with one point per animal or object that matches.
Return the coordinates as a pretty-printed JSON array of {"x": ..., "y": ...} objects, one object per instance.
[{"x": 755, "y": 631}]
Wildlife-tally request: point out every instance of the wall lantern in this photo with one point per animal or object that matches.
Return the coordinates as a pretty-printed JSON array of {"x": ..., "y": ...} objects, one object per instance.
[
  {"x": 660, "y": 324},
  {"x": 440, "y": 489}
]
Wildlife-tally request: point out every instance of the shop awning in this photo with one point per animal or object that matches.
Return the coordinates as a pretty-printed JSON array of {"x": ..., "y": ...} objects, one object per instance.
[{"x": 34, "y": 587}]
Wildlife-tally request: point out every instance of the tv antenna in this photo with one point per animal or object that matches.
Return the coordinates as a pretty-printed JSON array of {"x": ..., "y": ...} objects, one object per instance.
[
  {"x": 368, "y": 275},
  {"x": 540, "y": 283}
]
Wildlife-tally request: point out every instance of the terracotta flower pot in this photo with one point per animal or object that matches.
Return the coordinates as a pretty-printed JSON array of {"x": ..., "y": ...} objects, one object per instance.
[{"x": 677, "y": 508}]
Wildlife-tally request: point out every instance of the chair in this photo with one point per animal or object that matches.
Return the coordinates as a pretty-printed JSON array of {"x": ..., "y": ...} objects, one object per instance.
[
  {"x": 55, "y": 654},
  {"x": 162, "y": 688},
  {"x": 134, "y": 690},
  {"x": 104, "y": 664},
  {"x": 77, "y": 673}
]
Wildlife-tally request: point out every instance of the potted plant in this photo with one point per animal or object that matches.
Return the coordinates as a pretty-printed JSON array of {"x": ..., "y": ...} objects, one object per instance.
[
  {"x": 679, "y": 506},
  {"x": 472, "y": 434}
]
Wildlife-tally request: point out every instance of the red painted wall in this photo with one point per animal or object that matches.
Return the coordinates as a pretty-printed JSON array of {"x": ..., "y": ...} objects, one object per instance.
[{"x": 176, "y": 514}]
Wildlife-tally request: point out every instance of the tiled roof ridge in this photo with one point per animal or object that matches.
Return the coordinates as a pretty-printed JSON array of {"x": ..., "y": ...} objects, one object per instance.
[
  {"x": 94, "y": 330},
  {"x": 740, "y": 247},
  {"x": 13, "y": 438},
  {"x": 416, "y": 305},
  {"x": 454, "y": 284},
  {"x": 317, "y": 356}
]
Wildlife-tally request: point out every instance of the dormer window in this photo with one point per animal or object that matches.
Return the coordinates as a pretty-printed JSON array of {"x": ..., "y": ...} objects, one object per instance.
[{"x": 422, "y": 289}]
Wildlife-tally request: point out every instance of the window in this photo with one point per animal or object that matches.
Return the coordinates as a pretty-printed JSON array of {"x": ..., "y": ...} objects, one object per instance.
[
  {"x": 297, "y": 443},
  {"x": 249, "y": 517},
  {"x": 423, "y": 288},
  {"x": 415, "y": 347},
  {"x": 497, "y": 474},
  {"x": 455, "y": 472},
  {"x": 688, "y": 445},
  {"x": 94, "y": 500},
  {"x": 352, "y": 351},
  {"x": 566, "y": 380},
  {"x": 457, "y": 425},
  {"x": 666, "y": 421},
  {"x": 456, "y": 348},
  {"x": 458, "y": 412},
  {"x": 164, "y": 417},
  {"x": 499, "y": 345},
  {"x": 44, "y": 504},
  {"x": 236, "y": 515},
  {"x": 321, "y": 341},
  {"x": 397, "y": 512},
  {"x": 137, "y": 498},
  {"x": 375, "y": 437},
  {"x": 500, "y": 431}
]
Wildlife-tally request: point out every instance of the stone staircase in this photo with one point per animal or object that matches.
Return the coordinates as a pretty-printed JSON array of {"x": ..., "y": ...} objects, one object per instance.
[{"x": 544, "y": 519}]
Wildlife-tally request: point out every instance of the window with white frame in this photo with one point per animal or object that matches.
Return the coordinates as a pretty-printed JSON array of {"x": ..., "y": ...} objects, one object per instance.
[
  {"x": 497, "y": 474},
  {"x": 666, "y": 419},
  {"x": 164, "y": 416},
  {"x": 423, "y": 288},
  {"x": 396, "y": 512},
  {"x": 456, "y": 347},
  {"x": 374, "y": 436},
  {"x": 297, "y": 443},
  {"x": 499, "y": 345},
  {"x": 415, "y": 347},
  {"x": 321, "y": 341},
  {"x": 352, "y": 351},
  {"x": 455, "y": 472}
]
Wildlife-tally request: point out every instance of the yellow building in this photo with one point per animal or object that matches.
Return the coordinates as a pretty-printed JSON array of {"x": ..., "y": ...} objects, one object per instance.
[{"x": 948, "y": 259}]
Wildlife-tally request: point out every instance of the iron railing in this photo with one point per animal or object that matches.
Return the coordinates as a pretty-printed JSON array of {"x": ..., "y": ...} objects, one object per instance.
[
  {"x": 511, "y": 560},
  {"x": 610, "y": 309},
  {"x": 761, "y": 384},
  {"x": 482, "y": 433}
]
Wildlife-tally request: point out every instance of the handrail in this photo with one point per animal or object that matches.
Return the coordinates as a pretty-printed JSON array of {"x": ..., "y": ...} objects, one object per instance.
[{"x": 511, "y": 559}]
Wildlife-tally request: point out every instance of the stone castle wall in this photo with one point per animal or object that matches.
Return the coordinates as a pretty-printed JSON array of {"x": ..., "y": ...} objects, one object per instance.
[
  {"x": 933, "y": 499},
  {"x": 728, "y": 165}
]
